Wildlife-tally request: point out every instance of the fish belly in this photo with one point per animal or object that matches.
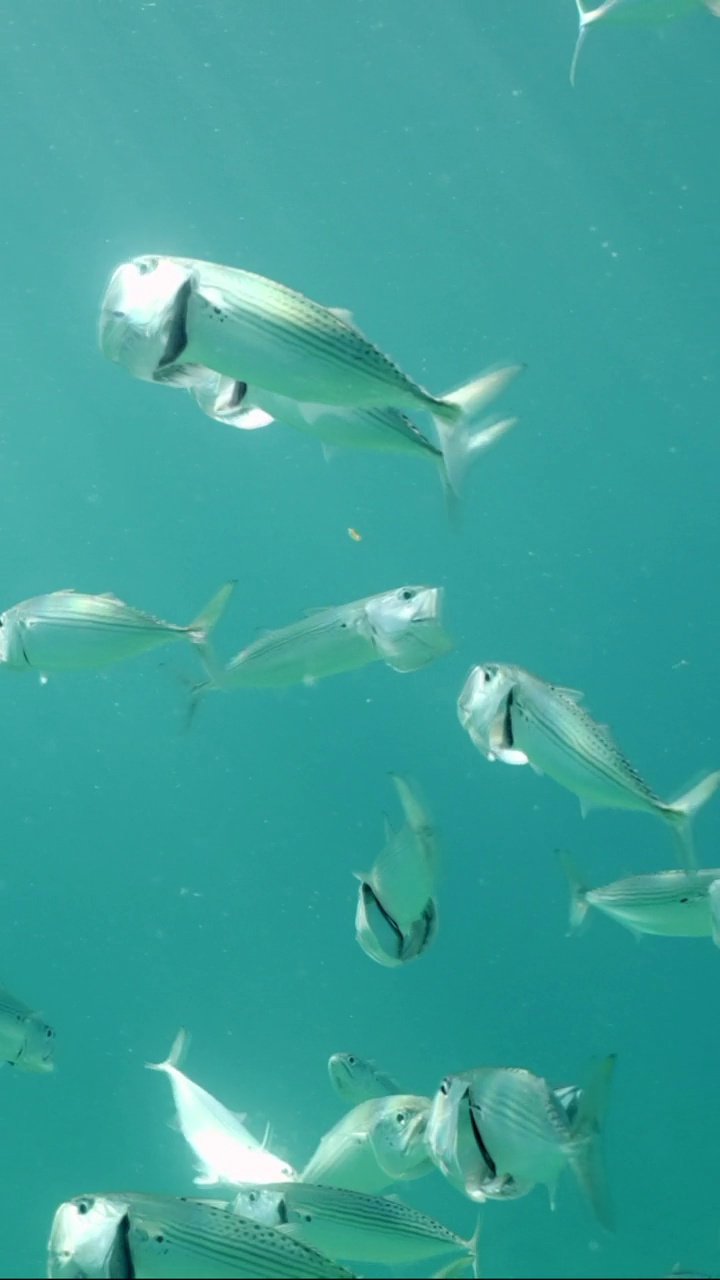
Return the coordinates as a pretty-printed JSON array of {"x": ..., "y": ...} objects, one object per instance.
[
  {"x": 675, "y": 919},
  {"x": 307, "y": 658}
]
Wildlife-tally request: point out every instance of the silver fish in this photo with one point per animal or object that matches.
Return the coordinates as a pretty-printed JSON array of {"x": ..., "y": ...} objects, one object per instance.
[
  {"x": 159, "y": 313},
  {"x": 632, "y": 11},
  {"x": 351, "y": 1224},
  {"x": 356, "y": 1079},
  {"x": 515, "y": 717},
  {"x": 26, "y": 1040},
  {"x": 674, "y": 904},
  {"x": 350, "y": 1155},
  {"x": 382, "y": 938},
  {"x": 401, "y": 628},
  {"x": 88, "y": 1238},
  {"x": 403, "y": 877},
  {"x": 380, "y": 429},
  {"x": 456, "y": 1146},
  {"x": 527, "y": 1134},
  {"x": 226, "y": 1152},
  {"x": 70, "y": 631},
  {"x": 165, "y": 1236}
]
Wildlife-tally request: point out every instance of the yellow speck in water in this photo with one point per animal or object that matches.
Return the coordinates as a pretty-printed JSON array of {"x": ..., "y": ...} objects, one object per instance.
[{"x": 356, "y": 537}]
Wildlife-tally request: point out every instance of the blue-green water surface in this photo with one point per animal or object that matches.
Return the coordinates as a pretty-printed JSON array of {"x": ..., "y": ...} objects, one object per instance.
[{"x": 428, "y": 166}]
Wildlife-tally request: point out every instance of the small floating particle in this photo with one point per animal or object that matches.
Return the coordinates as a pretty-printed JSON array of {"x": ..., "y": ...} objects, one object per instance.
[{"x": 356, "y": 537}]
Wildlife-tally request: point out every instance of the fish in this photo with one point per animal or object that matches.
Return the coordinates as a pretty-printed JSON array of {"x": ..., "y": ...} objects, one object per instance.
[
  {"x": 382, "y": 938},
  {"x": 352, "y": 1224},
  {"x": 456, "y": 1146},
  {"x": 89, "y": 1238},
  {"x": 403, "y": 877},
  {"x": 632, "y": 11},
  {"x": 526, "y": 1132},
  {"x": 668, "y": 903},
  {"x": 381, "y": 429},
  {"x": 178, "y": 1236},
  {"x": 70, "y": 631},
  {"x": 226, "y": 1152},
  {"x": 160, "y": 314},
  {"x": 356, "y": 1079},
  {"x": 26, "y": 1040},
  {"x": 401, "y": 628},
  {"x": 517, "y": 718},
  {"x": 349, "y": 1155}
]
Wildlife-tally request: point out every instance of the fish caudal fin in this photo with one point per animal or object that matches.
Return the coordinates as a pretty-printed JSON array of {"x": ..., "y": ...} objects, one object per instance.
[
  {"x": 682, "y": 811},
  {"x": 586, "y": 1156},
  {"x": 201, "y": 626},
  {"x": 461, "y": 439},
  {"x": 579, "y": 42},
  {"x": 578, "y": 891},
  {"x": 176, "y": 1054}
]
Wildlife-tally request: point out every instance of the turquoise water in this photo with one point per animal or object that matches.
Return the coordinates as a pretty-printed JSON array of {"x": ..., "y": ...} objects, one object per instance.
[{"x": 429, "y": 167}]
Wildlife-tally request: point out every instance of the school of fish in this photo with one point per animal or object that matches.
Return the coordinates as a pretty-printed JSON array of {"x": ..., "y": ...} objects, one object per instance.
[{"x": 251, "y": 352}]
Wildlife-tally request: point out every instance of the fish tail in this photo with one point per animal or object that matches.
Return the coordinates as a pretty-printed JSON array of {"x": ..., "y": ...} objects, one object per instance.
[
  {"x": 176, "y": 1054},
  {"x": 586, "y": 1156},
  {"x": 460, "y": 437},
  {"x": 201, "y": 626},
  {"x": 473, "y": 1248},
  {"x": 578, "y": 891},
  {"x": 579, "y": 42},
  {"x": 682, "y": 811}
]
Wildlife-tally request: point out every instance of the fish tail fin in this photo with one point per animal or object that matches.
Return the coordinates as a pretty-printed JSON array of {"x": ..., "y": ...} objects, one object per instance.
[
  {"x": 201, "y": 626},
  {"x": 474, "y": 1249},
  {"x": 578, "y": 891},
  {"x": 579, "y": 41},
  {"x": 682, "y": 811},
  {"x": 586, "y": 1156},
  {"x": 460, "y": 446},
  {"x": 455, "y": 416},
  {"x": 176, "y": 1054}
]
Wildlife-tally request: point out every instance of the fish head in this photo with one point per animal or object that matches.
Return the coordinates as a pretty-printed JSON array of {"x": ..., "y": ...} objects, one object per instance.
[
  {"x": 397, "y": 1136},
  {"x": 89, "y": 1238},
  {"x": 377, "y": 933},
  {"x": 346, "y": 1071},
  {"x": 38, "y": 1049},
  {"x": 261, "y": 1204},
  {"x": 483, "y": 707},
  {"x": 405, "y": 626},
  {"x": 142, "y": 313}
]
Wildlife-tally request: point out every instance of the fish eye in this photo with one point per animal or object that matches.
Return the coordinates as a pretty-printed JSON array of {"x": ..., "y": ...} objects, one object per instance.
[
  {"x": 407, "y": 595},
  {"x": 159, "y": 1238},
  {"x": 84, "y": 1207},
  {"x": 49, "y": 1033},
  {"x": 252, "y": 1196},
  {"x": 445, "y": 1086},
  {"x": 401, "y": 1117},
  {"x": 351, "y": 1060}
]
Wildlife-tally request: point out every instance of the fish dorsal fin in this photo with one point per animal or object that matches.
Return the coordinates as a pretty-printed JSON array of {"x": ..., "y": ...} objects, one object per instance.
[
  {"x": 575, "y": 695},
  {"x": 344, "y": 314}
]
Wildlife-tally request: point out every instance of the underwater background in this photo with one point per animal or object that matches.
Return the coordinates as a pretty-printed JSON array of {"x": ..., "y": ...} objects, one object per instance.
[{"x": 428, "y": 166}]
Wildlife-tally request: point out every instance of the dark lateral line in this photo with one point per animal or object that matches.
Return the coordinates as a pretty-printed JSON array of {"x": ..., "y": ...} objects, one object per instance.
[{"x": 483, "y": 1149}]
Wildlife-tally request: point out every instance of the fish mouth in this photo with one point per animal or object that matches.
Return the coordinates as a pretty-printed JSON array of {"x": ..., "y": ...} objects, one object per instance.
[
  {"x": 487, "y": 1158},
  {"x": 143, "y": 316}
]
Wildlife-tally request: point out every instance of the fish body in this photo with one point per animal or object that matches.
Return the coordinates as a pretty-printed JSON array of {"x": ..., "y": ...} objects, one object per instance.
[
  {"x": 404, "y": 875},
  {"x": 630, "y": 11},
  {"x": 545, "y": 725},
  {"x": 526, "y": 1131},
  {"x": 350, "y": 1156},
  {"x": 26, "y": 1040},
  {"x": 356, "y": 1079},
  {"x": 71, "y": 631},
  {"x": 351, "y": 1224},
  {"x": 401, "y": 628},
  {"x": 673, "y": 904},
  {"x": 380, "y": 429},
  {"x": 227, "y": 1153},
  {"x": 257, "y": 331}
]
